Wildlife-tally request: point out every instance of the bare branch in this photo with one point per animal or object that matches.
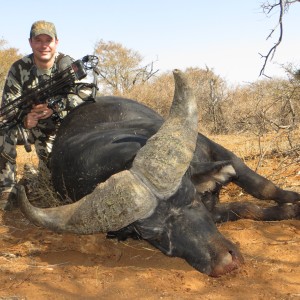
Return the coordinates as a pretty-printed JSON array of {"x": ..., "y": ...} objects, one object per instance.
[{"x": 267, "y": 9}]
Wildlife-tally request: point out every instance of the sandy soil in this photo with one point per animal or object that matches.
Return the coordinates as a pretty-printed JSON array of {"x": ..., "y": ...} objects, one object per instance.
[{"x": 38, "y": 264}]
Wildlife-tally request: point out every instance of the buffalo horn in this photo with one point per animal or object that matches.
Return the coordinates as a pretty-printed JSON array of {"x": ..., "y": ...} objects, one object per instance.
[{"x": 162, "y": 162}]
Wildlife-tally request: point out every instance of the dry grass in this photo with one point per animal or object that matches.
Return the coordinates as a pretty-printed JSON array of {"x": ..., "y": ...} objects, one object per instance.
[{"x": 36, "y": 180}]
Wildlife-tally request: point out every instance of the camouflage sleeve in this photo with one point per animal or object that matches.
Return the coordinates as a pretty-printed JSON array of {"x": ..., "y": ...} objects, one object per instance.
[
  {"x": 73, "y": 100},
  {"x": 65, "y": 62},
  {"x": 12, "y": 89}
]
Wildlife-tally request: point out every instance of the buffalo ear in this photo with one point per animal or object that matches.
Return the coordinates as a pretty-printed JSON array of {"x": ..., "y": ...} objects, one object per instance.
[{"x": 207, "y": 175}]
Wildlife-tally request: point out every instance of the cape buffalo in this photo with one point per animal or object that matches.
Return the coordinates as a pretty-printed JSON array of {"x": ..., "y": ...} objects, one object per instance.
[{"x": 129, "y": 171}]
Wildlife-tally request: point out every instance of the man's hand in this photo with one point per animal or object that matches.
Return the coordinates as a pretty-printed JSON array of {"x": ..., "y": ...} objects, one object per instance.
[{"x": 38, "y": 112}]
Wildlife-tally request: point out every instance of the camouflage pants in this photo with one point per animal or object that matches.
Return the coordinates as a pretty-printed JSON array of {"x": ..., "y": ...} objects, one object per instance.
[{"x": 8, "y": 154}]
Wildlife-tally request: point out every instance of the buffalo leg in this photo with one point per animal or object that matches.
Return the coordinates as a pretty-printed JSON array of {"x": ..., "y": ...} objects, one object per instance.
[
  {"x": 260, "y": 187},
  {"x": 253, "y": 183},
  {"x": 233, "y": 211}
]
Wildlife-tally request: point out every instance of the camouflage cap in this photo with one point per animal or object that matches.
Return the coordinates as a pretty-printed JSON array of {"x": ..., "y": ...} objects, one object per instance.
[{"x": 43, "y": 27}]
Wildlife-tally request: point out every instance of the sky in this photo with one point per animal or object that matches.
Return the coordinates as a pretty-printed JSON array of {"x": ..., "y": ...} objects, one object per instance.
[{"x": 224, "y": 35}]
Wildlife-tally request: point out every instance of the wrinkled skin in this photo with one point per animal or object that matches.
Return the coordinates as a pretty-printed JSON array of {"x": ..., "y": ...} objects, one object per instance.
[{"x": 183, "y": 227}]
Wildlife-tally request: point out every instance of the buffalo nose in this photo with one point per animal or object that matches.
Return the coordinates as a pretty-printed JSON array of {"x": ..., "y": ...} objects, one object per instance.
[{"x": 228, "y": 262}]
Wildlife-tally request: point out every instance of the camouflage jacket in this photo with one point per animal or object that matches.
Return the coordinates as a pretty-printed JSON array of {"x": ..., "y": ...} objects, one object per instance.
[{"x": 24, "y": 76}]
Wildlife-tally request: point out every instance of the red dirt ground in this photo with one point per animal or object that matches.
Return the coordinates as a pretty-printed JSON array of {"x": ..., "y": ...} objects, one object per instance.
[{"x": 38, "y": 264}]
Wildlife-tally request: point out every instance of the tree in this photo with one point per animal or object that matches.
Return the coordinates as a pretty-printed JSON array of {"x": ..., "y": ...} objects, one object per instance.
[
  {"x": 7, "y": 57},
  {"x": 265, "y": 106},
  {"x": 283, "y": 6},
  {"x": 211, "y": 92},
  {"x": 120, "y": 68},
  {"x": 156, "y": 93}
]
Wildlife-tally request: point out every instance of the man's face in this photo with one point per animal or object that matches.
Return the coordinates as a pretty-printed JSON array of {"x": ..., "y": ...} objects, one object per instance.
[{"x": 43, "y": 47}]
